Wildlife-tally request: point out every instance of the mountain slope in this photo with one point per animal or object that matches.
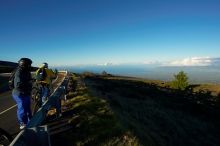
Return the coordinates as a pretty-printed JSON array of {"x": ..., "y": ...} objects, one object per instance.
[
  {"x": 145, "y": 113},
  {"x": 6, "y": 66}
]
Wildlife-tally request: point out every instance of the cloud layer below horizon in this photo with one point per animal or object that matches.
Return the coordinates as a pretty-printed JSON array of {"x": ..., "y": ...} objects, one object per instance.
[
  {"x": 190, "y": 61},
  {"x": 195, "y": 61}
]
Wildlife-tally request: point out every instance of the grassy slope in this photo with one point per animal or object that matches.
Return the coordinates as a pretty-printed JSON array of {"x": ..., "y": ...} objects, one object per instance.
[
  {"x": 159, "y": 115},
  {"x": 213, "y": 88},
  {"x": 93, "y": 121},
  {"x": 131, "y": 111}
]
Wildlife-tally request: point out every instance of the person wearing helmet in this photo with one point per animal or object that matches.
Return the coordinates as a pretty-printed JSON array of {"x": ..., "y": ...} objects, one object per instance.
[
  {"x": 45, "y": 81},
  {"x": 22, "y": 91}
]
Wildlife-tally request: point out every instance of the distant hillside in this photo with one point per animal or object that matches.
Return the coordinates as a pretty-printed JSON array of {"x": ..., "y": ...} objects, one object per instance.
[{"x": 7, "y": 66}]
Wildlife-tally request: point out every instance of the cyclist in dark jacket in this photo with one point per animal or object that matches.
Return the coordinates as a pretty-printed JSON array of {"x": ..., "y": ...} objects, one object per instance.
[{"x": 22, "y": 91}]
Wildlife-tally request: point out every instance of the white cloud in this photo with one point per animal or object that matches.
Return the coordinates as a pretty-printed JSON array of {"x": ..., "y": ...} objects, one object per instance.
[
  {"x": 107, "y": 64},
  {"x": 152, "y": 62},
  {"x": 216, "y": 61},
  {"x": 194, "y": 61}
]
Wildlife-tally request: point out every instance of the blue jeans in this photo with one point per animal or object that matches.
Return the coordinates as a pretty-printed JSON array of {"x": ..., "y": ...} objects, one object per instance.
[
  {"x": 45, "y": 93},
  {"x": 23, "y": 108}
]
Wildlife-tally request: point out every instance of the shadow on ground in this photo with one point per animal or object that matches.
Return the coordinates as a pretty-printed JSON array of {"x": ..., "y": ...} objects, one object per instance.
[{"x": 92, "y": 120}]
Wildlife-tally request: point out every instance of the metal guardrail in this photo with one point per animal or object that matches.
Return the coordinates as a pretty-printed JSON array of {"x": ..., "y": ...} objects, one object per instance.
[{"x": 35, "y": 134}]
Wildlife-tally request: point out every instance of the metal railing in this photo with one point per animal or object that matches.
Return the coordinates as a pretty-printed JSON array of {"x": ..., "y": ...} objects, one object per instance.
[{"x": 35, "y": 134}]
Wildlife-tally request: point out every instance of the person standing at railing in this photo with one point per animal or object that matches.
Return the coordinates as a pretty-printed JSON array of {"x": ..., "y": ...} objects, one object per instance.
[
  {"x": 44, "y": 76},
  {"x": 21, "y": 93}
]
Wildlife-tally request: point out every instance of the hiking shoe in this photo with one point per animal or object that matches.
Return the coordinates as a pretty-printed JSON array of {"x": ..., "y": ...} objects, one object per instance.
[
  {"x": 22, "y": 126},
  {"x": 60, "y": 115}
]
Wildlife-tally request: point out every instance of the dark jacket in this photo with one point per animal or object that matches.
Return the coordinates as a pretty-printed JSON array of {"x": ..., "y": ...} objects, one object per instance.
[{"x": 22, "y": 82}]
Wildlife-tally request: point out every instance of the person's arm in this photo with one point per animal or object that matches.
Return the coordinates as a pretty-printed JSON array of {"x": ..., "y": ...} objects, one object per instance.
[
  {"x": 18, "y": 81},
  {"x": 29, "y": 83},
  {"x": 37, "y": 71}
]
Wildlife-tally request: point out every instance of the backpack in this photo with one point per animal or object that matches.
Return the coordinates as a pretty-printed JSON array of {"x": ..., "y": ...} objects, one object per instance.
[
  {"x": 11, "y": 79},
  {"x": 41, "y": 74}
]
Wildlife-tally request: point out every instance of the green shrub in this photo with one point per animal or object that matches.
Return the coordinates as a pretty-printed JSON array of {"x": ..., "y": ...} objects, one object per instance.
[{"x": 181, "y": 81}]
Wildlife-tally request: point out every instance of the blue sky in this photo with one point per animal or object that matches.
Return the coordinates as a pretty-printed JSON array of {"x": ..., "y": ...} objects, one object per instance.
[{"x": 74, "y": 32}]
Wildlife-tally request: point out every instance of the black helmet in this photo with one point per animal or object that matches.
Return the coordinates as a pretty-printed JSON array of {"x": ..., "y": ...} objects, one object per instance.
[
  {"x": 45, "y": 65},
  {"x": 25, "y": 62}
]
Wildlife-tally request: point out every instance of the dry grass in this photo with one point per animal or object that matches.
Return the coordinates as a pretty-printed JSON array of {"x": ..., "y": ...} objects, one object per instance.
[
  {"x": 214, "y": 89},
  {"x": 93, "y": 121},
  {"x": 122, "y": 111},
  {"x": 158, "y": 115}
]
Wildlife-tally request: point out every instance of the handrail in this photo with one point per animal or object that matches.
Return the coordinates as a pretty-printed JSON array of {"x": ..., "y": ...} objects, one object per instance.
[{"x": 34, "y": 128}]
